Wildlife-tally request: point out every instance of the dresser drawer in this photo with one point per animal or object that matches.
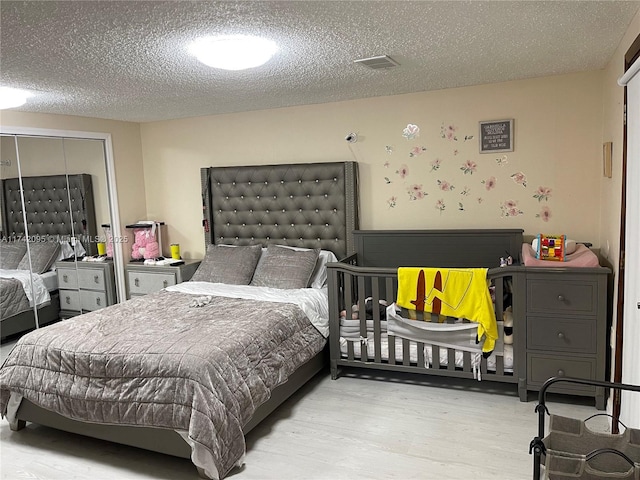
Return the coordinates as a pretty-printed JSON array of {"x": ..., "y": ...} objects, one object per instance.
[
  {"x": 92, "y": 278},
  {"x": 70, "y": 299},
  {"x": 577, "y": 335},
  {"x": 542, "y": 367},
  {"x": 141, "y": 283},
  {"x": 67, "y": 278},
  {"x": 558, "y": 296},
  {"x": 90, "y": 300}
]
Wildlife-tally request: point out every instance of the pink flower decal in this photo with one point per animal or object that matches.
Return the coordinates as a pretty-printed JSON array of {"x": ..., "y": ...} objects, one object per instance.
[
  {"x": 392, "y": 202},
  {"x": 445, "y": 186},
  {"x": 440, "y": 205},
  {"x": 435, "y": 165},
  {"x": 510, "y": 209},
  {"x": 543, "y": 193},
  {"x": 411, "y": 131},
  {"x": 416, "y": 193},
  {"x": 520, "y": 178},
  {"x": 545, "y": 214},
  {"x": 469, "y": 167},
  {"x": 403, "y": 171},
  {"x": 448, "y": 132},
  {"x": 387, "y": 164},
  {"x": 415, "y": 151},
  {"x": 489, "y": 183}
]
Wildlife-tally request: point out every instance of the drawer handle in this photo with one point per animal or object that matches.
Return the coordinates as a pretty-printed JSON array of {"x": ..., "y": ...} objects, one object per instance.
[
  {"x": 561, "y": 373},
  {"x": 561, "y": 298},
  {"x": 68, "y": 299},
  {"x": 137, "y": 282},
  {"x": 165, "y": 284},
  {"x": 65, "y": 279},
  {"x": 561, "y": 335},
  {"x": 98, "y": 301},
  {"x": 96, "y": 279}
]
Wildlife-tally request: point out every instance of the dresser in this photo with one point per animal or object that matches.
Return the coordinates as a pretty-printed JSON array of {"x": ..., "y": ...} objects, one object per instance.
[
  {"x": 143, "y": 279},
  {"x": 566, "y": 328},
  {"x": 85, "y": 286}
]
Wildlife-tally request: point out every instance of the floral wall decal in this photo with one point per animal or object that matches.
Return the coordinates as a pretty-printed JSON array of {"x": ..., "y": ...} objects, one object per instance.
[
  {"x": 468, "y": 137},
  {"x": 489, "y": 183},
  {"x": 387, "y": 180},
  {"x": 520, "y": 178},
  {"x": 469, "y": 167},
  {"x": 411, "y": 131},
  {"x": 415, "y": 151},
  {"x": 448, "y": 132},
  {"x": 416, "y": 192},
  {"x": 502, "y": 161},
  {"x": 543, "y": 193},
  {"x": 465, "y": 191},
  {"x": 545, "y": 214},
  {"x": 445, "y": 186},
  {"x": 392, "y": 202},
  {"x": 509, "y": 208},
  {"x": 435, "y": 165},
  {"x": 460, "y": 206},
  {"x": 440, "y": 205},
  {"x": 403, "y": 171},
  {"x": 388, "y": 149}
]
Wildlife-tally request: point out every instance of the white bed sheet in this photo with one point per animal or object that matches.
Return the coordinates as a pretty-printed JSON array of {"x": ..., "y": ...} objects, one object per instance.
[
  {"x": 314, "y": 302},
  {"x": 50, "y": 280},
  {"x": 32, "y": 284},
  {"x": 413, "y": 352}
]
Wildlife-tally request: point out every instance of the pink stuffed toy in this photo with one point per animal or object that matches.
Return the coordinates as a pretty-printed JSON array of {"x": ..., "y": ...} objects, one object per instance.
[{"x": 145, "y": 244}]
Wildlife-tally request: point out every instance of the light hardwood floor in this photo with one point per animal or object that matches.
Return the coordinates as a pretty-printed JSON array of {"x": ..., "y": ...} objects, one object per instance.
[{"x": 387, "y": 426}]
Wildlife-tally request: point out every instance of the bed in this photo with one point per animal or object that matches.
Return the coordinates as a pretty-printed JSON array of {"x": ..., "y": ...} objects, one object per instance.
[
  {"x": 369, "y": 277},
  {"x": 51, "y": 223},
  {"x": 189, "y": 370}
]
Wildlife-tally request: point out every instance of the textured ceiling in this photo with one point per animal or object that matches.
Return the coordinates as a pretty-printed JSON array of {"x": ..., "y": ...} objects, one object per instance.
[{"x": 127, "y": 60}]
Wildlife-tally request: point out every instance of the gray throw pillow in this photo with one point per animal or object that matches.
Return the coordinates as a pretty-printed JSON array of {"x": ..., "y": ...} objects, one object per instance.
[
  {"x": 11, "y": 253},
  {"x": 43, "y": 255},
  {"x": 231, "y": 265},
  {"x": 285, "y": 268}
]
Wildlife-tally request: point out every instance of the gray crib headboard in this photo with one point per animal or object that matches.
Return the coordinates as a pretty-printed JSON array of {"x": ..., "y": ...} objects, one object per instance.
[
  {"x": 47, "y": 207},
  {"x": 313, "y": 205}
]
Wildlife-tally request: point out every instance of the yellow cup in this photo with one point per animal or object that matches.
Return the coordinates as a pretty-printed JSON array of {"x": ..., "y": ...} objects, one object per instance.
[
  {"x": 102, "y": 248},
  {"x": 175, "y": 251}
]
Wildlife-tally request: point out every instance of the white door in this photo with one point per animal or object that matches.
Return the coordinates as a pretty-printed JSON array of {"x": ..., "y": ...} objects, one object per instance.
[{"x": 630, "y": 402}]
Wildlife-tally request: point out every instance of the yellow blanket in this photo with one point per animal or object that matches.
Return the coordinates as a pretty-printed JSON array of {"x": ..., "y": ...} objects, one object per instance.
[{"x": 454, "y": 292}]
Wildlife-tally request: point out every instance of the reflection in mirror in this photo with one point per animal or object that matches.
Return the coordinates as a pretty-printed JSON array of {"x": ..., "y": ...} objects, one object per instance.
[{"x": 65, "y": 198}]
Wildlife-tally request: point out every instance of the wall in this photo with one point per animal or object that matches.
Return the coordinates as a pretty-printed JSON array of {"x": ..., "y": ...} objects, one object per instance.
[
  {"x": 127, "y": 153},
  {"x": 435, "y": 180}
]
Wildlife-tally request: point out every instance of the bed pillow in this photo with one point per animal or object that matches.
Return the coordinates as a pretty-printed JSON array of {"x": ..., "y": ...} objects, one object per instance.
[
  {"x": 281, "y": 267},
  {"x": 43, "y": 255},
  {"x": 234, "y": 266},
  {"x": 11, "y": 253},
  {"x": 319, "y": 275}
]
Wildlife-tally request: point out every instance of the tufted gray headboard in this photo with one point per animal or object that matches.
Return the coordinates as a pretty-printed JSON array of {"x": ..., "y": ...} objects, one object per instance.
[
  {"x": 313, "y": 205},
  {"x": 47, "y": 207}
]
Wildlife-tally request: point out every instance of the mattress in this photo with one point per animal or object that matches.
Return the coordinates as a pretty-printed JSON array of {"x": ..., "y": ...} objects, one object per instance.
[
  {"x": 507, "y": 352},
  {"x": 50, "y": 280}
]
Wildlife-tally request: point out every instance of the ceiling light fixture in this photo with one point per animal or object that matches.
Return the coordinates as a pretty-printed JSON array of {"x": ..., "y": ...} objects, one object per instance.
[
  {"x": 233, "y": 52},
  {"x": 13, "y": 97}
]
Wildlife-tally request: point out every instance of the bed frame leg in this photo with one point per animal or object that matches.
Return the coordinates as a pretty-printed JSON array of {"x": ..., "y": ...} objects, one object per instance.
[
  {"x": 17, "y": 424},
  {"x": 334, "y": 370}
]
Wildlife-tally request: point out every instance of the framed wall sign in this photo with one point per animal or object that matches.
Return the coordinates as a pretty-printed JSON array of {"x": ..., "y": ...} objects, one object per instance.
[{"x": 496, "y": 136}]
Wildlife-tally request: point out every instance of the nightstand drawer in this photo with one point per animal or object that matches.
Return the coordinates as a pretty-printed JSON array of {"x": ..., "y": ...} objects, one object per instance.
[
  {"x": 91, "y": 279},
  {"x": 575, "y": 335},
  {"x": 92, "y": 300},
  {"x": 70, "y": 300},
  {"x": 558, "y": 296},
  {"x": 67, "y": 278},
  {"x": 541, "y": 368},
  {"x": 141, "y": 283}
]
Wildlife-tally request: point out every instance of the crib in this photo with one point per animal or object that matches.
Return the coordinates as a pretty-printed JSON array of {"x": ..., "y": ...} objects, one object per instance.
[{"x": 371, "y": 273}]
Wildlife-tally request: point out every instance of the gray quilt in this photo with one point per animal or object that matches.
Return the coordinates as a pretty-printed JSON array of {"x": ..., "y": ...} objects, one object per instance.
[
  {"x": 157, "y": 361},
  {"x": 12, "y": 298}
]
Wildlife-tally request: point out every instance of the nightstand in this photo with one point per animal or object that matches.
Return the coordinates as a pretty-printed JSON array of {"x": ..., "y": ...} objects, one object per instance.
[
  {"x": 85, "y": 286},
  {"x": 143, "y": 279}
]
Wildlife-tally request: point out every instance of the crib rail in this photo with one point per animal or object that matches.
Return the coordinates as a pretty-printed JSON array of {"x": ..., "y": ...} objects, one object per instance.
[{"x": 372, "y": 348}]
